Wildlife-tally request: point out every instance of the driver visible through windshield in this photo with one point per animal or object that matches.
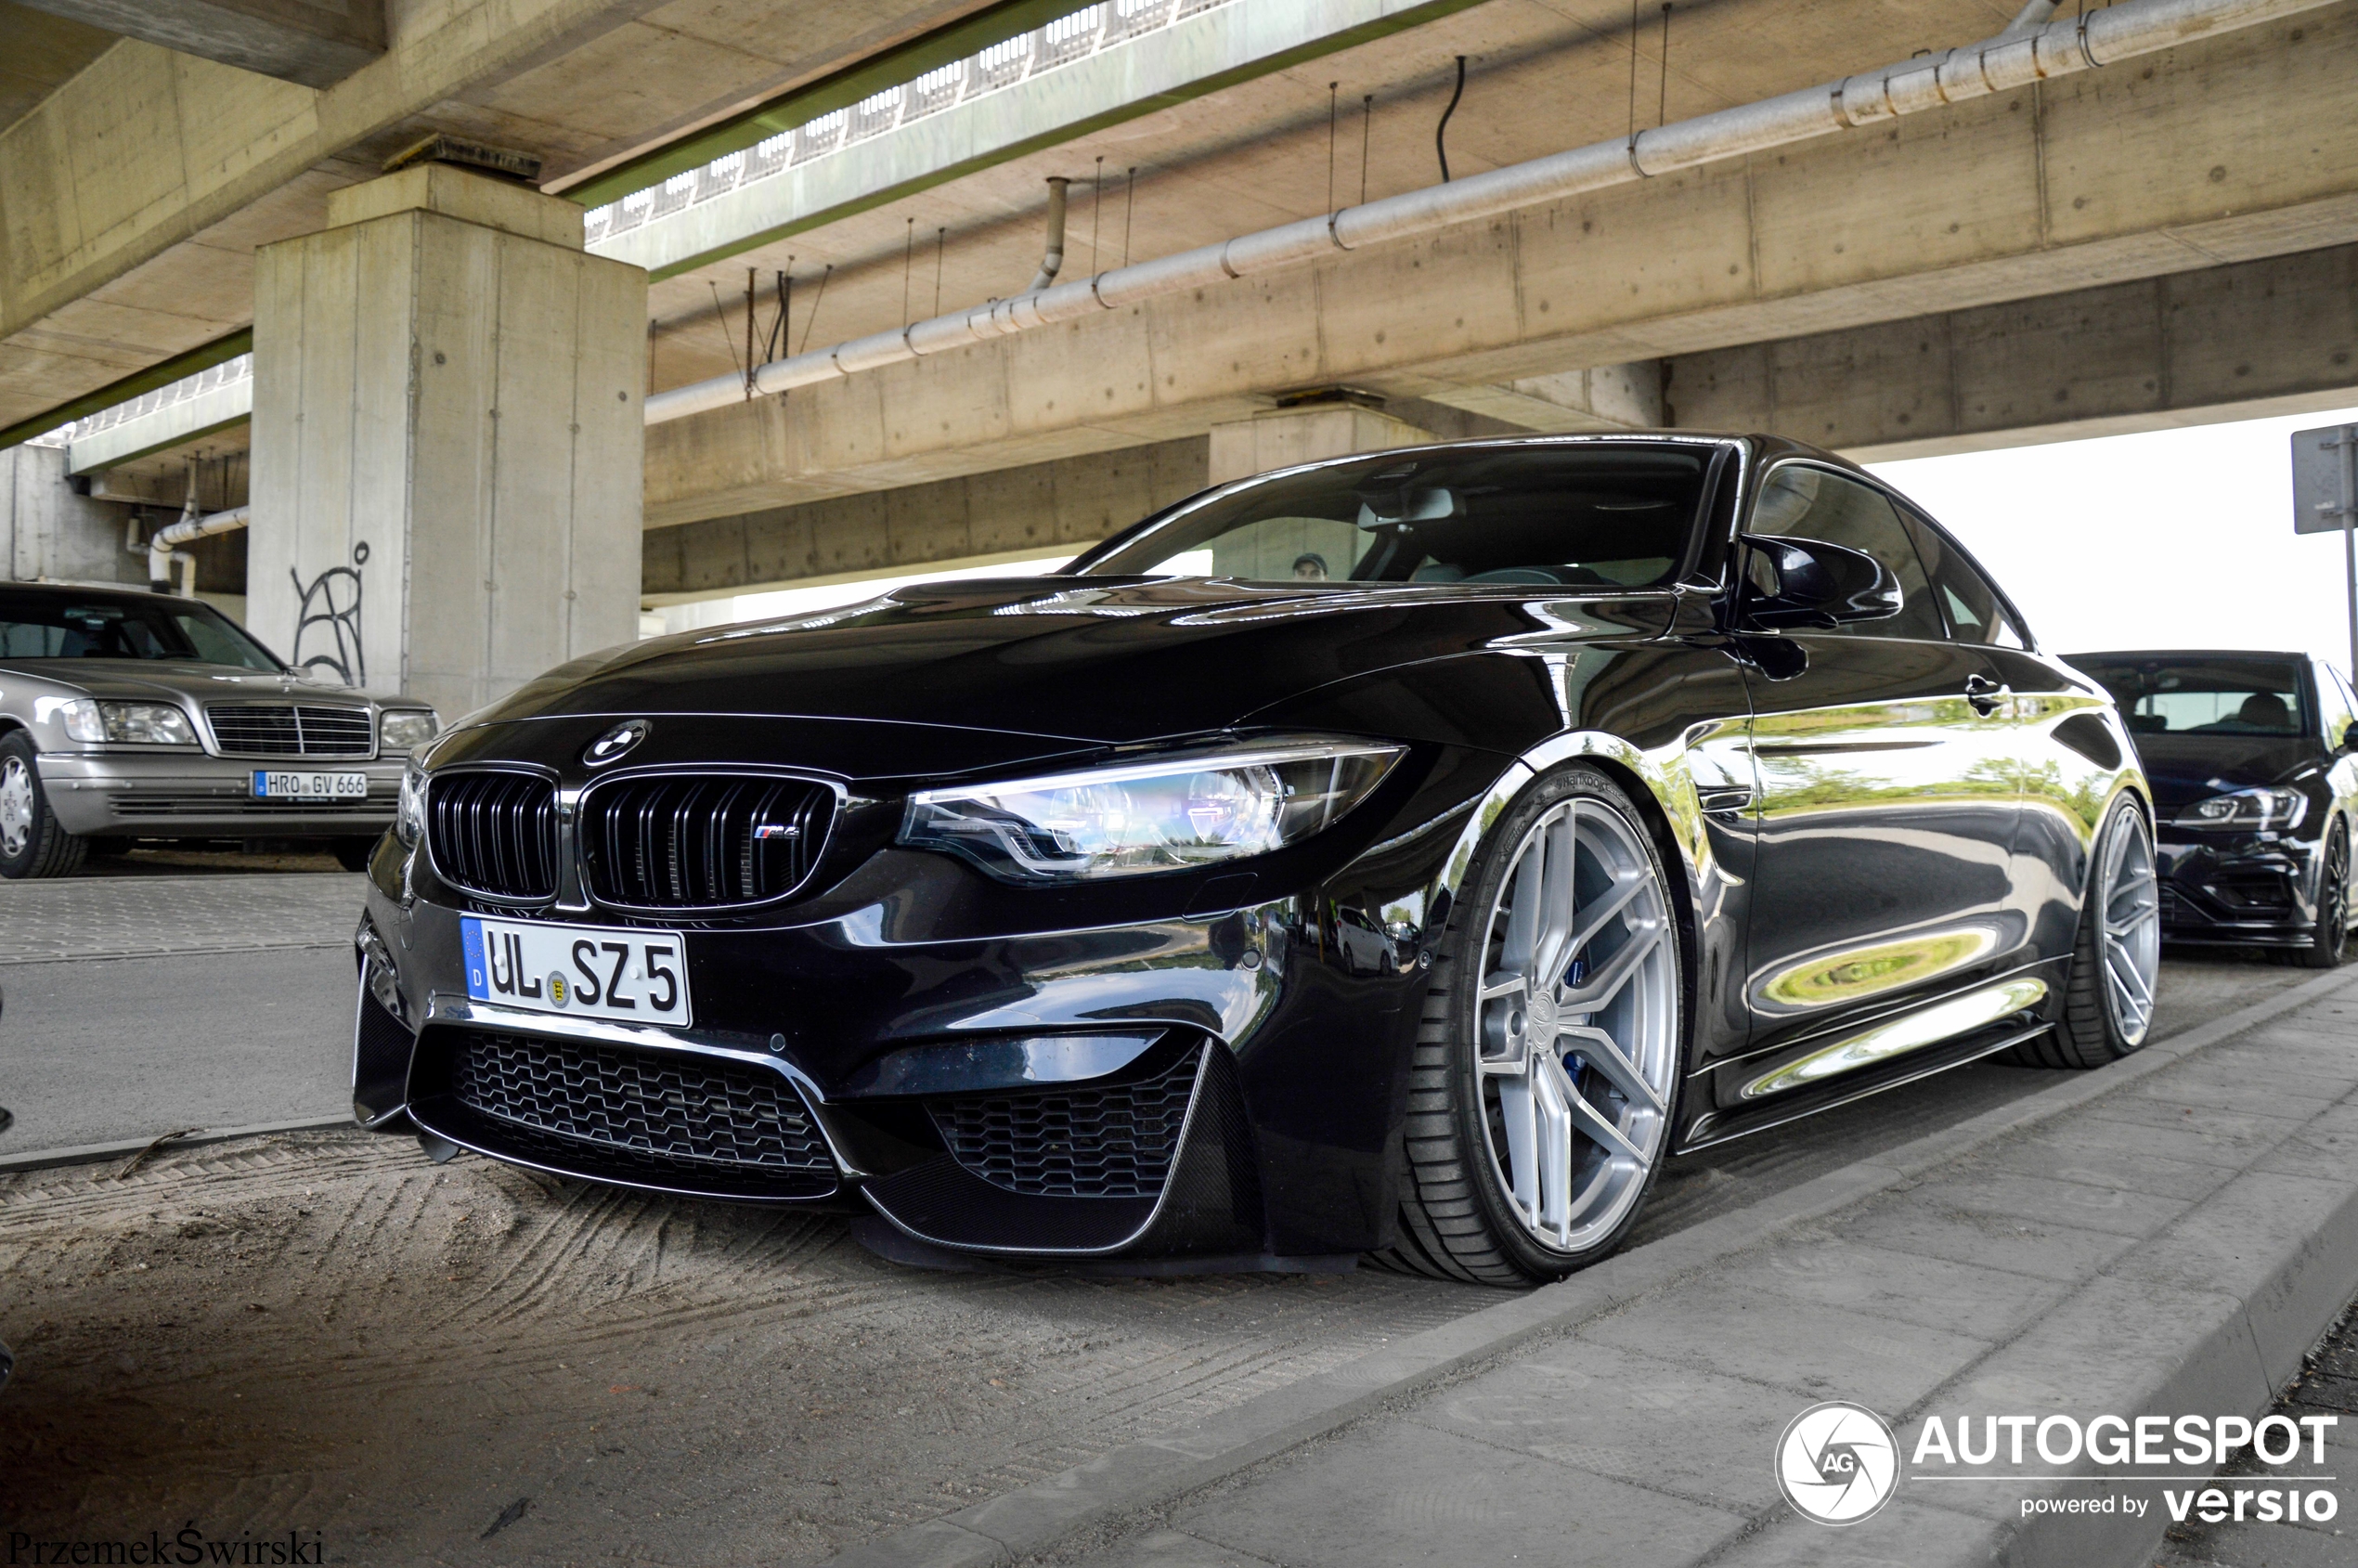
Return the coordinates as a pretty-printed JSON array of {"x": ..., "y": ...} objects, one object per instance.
[{"x": 1592, "y": 515}]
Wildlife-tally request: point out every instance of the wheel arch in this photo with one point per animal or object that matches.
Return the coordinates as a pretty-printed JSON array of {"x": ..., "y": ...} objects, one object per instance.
[{"x": 1655, "y": 789}]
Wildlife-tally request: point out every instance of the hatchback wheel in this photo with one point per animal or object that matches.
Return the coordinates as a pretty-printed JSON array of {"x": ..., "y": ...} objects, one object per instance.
[
  {"x": 32, "y": 844},
  {"x": 1547, "y": 1072},
  {"x": 2332, "y": 937}
]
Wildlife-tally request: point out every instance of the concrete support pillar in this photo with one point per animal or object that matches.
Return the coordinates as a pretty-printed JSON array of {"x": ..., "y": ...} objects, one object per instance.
[
  {"x": 1284, "y": 437},
  {"x": 447, "y": 439},
  {"x": 46, "y": 530}
]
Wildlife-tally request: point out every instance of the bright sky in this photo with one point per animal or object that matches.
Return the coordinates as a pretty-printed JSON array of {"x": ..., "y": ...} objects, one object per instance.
[{"x": 2176, "y": 538}]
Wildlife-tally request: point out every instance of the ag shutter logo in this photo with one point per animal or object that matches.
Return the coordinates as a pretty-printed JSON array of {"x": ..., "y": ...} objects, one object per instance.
[{"x": 1838, "y": 1463}]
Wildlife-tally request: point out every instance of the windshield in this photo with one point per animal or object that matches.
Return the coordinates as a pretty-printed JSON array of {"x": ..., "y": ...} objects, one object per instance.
[
  {"x": 2183, "y": 695},
  {"x": 50, "y": 626},
  {"x": 1595, "y": 515}
]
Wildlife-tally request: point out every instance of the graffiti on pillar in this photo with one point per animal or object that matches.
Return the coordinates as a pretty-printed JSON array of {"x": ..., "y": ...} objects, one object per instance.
[{"x": 331, "y": 613}]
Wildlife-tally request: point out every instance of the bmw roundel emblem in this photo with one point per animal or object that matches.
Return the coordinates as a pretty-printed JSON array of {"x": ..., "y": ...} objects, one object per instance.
[{"x": 616, "y": 741}]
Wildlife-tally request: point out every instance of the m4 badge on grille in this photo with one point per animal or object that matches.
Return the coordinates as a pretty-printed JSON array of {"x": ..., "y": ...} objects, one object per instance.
[
  {"x": 588, "y": 971},
  {"x": 776, "y": 830}
]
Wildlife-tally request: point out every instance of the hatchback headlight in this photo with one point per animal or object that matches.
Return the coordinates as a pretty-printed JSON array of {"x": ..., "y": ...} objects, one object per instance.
[
  {"x": 2254, "y": 809},
  {"x": 136, "y": 723},
  {"x": 1173, "y": 814},
  {"x": 410, "y": 815},
  {"x": 404, "y": 729}
]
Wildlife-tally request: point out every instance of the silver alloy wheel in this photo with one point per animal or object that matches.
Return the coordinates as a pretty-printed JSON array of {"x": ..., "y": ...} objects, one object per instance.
[
  {"x": 16, "y": 806},
  {"x": 2131, "y": 914},
  {"x": 1577, "y": 1022}
]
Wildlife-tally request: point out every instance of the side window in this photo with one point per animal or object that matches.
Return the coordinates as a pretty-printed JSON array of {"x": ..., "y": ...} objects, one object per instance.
[
  {"x": 1798, "y": 501},
  {"x": 1972, "y": 606}
]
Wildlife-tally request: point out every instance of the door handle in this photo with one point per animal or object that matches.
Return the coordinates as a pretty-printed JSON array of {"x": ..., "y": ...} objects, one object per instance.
[{"x": 1984, "y": 695}]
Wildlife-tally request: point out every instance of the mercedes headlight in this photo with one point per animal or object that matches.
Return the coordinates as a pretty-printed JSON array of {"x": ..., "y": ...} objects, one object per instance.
[
  {"x": 2253, "y": 810},
  {"x": 136, "y": 723},
  {"x": 1176, "y": 814},
  {"x": 410, "y": 815},
  {"x": 404, "y": 729}
]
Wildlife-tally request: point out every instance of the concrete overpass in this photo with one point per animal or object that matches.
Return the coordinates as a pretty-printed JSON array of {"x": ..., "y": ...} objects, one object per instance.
[{"x": 2168, "y": 238}]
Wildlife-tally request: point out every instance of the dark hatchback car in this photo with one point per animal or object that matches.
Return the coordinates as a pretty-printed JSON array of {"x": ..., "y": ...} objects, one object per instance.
[
  {"x": 1612, "y": 797},
  {"x": 2255, "y": 784}
]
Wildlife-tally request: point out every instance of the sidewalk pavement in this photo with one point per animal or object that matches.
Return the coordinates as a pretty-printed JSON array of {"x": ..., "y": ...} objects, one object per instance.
[{"x": 2165, "y": 1235}]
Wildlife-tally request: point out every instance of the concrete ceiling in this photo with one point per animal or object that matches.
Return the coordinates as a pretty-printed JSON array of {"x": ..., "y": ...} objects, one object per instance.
[
  {"x": 38, "y": 54},
  {"x": 1542, "y": 75},
  {"x": 132, "y": 196}
]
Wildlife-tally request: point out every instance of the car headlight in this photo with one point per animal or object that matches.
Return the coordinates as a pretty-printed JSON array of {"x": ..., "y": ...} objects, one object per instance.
[
  {"x": 410, "y": 815},
  {"x": 137, "y": 723},
  {"x": 404, "y": 729},
  {"x": 1176, "y": 814},
  {"x": 2254, "y": 809}
]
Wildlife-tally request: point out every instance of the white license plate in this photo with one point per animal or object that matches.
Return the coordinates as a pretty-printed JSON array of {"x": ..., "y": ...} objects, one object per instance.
[
  {"x": 272, "y": 785},
  {"x": 590, "y": 971}
]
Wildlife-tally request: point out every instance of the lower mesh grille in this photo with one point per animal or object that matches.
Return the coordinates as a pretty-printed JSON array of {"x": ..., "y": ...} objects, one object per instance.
[
  {"x": 655, "y": 1107},
  {"x": 1114, "y": 1142}
]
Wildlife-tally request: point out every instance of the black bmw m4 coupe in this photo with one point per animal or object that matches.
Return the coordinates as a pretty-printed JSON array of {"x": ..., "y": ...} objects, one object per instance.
[{"x": 1402, "y": 856}]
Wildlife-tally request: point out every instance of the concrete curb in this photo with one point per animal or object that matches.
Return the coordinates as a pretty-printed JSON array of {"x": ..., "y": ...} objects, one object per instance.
[
  {"x": 119, "y": 956},
  {"x": 85, "y": 1154},
  {"x": 1144, "y": 1476}
]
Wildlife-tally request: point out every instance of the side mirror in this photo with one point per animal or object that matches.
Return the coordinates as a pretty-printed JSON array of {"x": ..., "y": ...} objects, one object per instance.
[
  {"x": 1807, "y": 582},
  {"x": 2349, "y": 738}
]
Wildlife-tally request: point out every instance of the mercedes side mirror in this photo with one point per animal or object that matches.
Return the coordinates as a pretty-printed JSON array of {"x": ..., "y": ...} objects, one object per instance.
[
  {"x": 2349, "y": 738},
  {"x": 1791, "y": 582}
]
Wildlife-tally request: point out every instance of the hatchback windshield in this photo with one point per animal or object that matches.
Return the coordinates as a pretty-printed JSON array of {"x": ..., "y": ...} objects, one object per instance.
[
  {"x": 2203, "y": 696},
  {"x": 49, "y": 625},
  {"x": 1595, "y": 515}
]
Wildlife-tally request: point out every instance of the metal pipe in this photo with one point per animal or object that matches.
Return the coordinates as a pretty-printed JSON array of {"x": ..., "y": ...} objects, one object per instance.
[
  {"x": 1052, "y": 260},
  {"x": 1994, "y": 65},
  {"x": 161, "y": 555}
]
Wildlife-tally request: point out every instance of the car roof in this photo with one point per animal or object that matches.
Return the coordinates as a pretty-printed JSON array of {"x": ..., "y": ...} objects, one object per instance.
[
  {"x": 84, "y": 590},
  {"x": 2185, "y": 654}
]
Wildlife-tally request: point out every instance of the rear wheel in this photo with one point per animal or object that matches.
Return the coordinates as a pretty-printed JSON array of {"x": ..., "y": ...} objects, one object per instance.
[
  {"x": 2332, "y": 937},
  {"x": 1546, "y": 1070},
  {"x": 32, "y": 844},
  {"x": 2116, "y": 962}
]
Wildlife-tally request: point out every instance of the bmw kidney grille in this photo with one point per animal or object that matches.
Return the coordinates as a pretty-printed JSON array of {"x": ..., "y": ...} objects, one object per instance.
[{"x": 671, "y": 841}]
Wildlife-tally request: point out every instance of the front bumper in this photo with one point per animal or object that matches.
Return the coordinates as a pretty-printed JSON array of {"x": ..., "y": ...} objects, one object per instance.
[
  {"x": 1250, "y": 1115},
  {"x": 182, "y": 794},
  {"x": 2254, "y": 889}
]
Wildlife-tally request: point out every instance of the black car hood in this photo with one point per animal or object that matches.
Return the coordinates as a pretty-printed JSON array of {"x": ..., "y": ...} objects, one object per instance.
[
  {"x": 2184, "y": 769},
  {"x": 1101, "y": 660}
]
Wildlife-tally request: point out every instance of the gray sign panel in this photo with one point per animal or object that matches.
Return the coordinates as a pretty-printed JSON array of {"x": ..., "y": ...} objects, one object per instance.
[{"x": 2325, "y": 478}]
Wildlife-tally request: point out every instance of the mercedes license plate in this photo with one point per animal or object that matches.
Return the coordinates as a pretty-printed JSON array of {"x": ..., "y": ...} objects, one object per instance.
[
  {"x": 590, "y": 971},
  {"x": 270, "y": 784}
]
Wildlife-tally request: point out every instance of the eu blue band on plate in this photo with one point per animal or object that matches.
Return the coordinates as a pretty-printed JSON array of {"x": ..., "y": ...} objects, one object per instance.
[
  {"x": 261, "y": 784},
  {"x": 471, "y": 936}
]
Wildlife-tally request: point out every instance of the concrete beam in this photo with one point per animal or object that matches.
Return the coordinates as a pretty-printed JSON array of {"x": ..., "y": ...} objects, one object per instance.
[
  {"x": 1037, "y": 510},
  {"x": 2279, "y": 335},
  {"x": 2229, "y": 149},
  {"x": 317, "y": 43}
]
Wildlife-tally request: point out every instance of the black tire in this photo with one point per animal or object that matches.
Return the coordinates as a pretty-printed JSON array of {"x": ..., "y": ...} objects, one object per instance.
[
  {"x": 354, "y": 854},
  {"x": 1456, "y": 1220},
  {"x": 2090, "y": 1034},
  {"x": 45, "y": 849},
  {"x": 2331, "y": 939}
]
